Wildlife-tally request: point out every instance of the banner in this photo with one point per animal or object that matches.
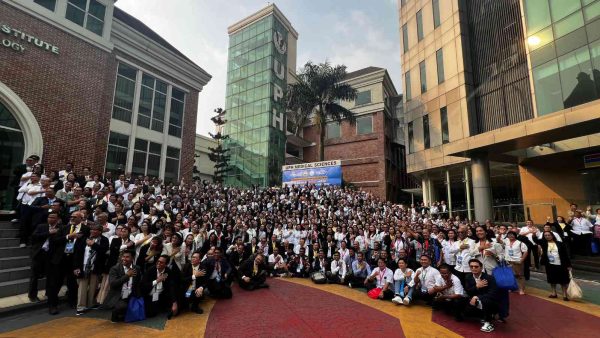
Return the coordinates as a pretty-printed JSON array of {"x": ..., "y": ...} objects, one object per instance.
[{"x": 319, "y": 173}]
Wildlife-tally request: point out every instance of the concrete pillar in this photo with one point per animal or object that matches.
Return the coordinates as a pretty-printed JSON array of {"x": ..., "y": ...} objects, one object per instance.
[
  {"x": 468, "y": 193},
  {"x": 448, "y": 194},
  {"x": 482, "y": 189},
  {"x": 425, "y": 187}
]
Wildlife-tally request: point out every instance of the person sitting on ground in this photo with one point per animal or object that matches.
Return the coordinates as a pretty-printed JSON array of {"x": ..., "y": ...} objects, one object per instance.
[
  {"x": 402, "y": 278},
  {"x": 338, "y": 271},
  {"x": 383, "y": 278},
  {"x": 194, "y": 278},
  {"x": 125, "y": 280},
  {"x": 219, "y": 273},
  {"x": 298, "y": 266},
  {"x": 360, "y": 271},
  {"x": 277, "y": 264},
  {"x": 424, "y": 280},
  {"x": 449, "y": 293},
  {"x": 253, "y": 273},
  {"x": 158, "y": 288},
  {"x": 482, "y": 294}
]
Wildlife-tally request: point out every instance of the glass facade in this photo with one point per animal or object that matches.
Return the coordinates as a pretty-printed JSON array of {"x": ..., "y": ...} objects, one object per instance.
[
  {"x": 256, "y": 81},
  {"x": 564, "y": 42}
]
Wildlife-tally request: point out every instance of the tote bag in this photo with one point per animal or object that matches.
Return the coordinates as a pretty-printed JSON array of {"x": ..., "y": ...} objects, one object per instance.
[
  {"x": 135, "y": 310},
  {"x": 574, "y": 291},
  {"x": 505, "y": 278}
]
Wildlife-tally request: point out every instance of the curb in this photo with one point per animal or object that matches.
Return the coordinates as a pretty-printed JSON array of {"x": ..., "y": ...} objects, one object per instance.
[{"x": 25, "y": 307}]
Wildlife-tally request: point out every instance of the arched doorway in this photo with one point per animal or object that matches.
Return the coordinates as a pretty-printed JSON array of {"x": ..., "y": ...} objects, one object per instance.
[{"x": 20, "y": 136}]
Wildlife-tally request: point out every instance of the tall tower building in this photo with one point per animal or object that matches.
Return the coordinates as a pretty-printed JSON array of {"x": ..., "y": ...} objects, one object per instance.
[{"x": 261, "y": 62}]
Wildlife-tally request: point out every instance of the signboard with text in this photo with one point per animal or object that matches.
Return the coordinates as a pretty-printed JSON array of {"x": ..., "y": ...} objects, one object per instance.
[{"x": 319, "y": 173}]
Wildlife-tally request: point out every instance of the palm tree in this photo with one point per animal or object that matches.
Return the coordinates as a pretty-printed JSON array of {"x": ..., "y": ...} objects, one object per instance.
[{"x": 317, "y": 94}]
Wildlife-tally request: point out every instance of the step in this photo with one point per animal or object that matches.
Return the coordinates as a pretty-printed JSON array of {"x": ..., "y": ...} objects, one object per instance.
[
  {"x": 14, "y": 274},
  {"x": 6, "y": 242},
  {"x": 588, "y": 268},
  {"x": 9, "y": 233},
  {"x": 19, "y": 286},
  {"x": 586, "y": 262},
  {"x": 13, "y": 251},
  {"x": 14, "y": 262}
]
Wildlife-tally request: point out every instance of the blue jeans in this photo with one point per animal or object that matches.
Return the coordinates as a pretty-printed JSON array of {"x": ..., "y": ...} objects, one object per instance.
[{"x": 399, "y": 290}]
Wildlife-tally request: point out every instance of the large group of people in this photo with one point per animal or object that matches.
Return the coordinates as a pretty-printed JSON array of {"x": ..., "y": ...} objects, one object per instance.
[{"x": 110, "y": 238}]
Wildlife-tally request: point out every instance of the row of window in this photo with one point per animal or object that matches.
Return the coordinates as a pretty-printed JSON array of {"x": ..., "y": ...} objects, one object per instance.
[
  {"x": 152, "y": 103},
  {"x": 364, "y": 125},
  {"x": 426, "y": 131},
  {"x": 439, "y": 58},
  {"x": 146, "y": 157},
  {"x": 86, "y": 13},
  {"x": 419, "y": 16}
]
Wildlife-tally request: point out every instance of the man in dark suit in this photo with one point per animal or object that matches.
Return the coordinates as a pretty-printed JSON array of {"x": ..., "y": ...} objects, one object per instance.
[
  {"x": 321, "y": 264},
  {"x": 125, "y": 280},
  {"x": 88, "y": 264},
  {"x": 158, "y": 288},
  {"x": 194, "y": 280},
  {"x": 48, "y": 243},
  {"x": 41, "y": 206},
  {"x": 218, "y": 271},
  {"x": 76, "y": 230},
  {"x": 483, "y": 294},
  {"x": 252, "y": 273}
]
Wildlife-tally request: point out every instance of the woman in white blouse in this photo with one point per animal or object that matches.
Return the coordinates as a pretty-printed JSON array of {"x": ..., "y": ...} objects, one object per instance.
[
  {"x": 515, "y": 253},
  {"x": 450, "y": 248},
  {"x": 486, "y": 251}
]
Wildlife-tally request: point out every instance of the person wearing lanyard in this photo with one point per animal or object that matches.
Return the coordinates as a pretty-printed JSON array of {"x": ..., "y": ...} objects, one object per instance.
[
  {"x": 125, "y": 280},
  {"x": 515, "y": 253},
  {"x": 194, "y": 277},
  {"x": 76, "y": 230},
  {"x": 557, "y": 263},
  {"x": 424, "y": 280},
  {"x": 582, "y": 234},
  {"x": 381, "y": 277}
]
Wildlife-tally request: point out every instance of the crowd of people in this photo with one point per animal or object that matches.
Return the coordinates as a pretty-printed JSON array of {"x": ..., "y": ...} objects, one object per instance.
[{"x": 110, "y": 238}]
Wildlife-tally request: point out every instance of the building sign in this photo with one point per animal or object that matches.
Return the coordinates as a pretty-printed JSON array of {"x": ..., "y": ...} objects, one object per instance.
[
  {"x": 591, "y": 161},
  {"x": 22, "y": 39},
  {"x": 319, "y": 173},
  {"x": 279, "y": 69}
]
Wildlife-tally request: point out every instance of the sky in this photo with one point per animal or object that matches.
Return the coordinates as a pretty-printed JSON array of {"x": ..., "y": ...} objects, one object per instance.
[{"x": 356, "y": 33}]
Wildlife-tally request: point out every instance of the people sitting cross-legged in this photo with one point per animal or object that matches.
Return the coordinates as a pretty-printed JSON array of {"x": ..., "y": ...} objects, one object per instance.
[
  {"x": 424, "y": 280},
  {"x": 403, "y": 288},
  {"x": 360, "y": 271},
  {"x": 383, "y": 278},
  {"x": 158, "y": 288},
  {"x": 338, "y": 271},
  {"x": 218, "y": 272},
  {"x": 194, "y": 280},
  {"x": 277, "y": 264},
  {"x": 125, "y": 279},
  {"x": 253, "y": 273},
  {"x": 483, "y": 294},
  {"x": 449, "y": 293}
]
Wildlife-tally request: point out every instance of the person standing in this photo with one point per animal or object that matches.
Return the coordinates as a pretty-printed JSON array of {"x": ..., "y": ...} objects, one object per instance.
[
  {"x": 515, "y": 253},
  {"x": 88, "y": 265},
  {"x": 557, "y": 263},
  {"x": 581, "y": 228}
]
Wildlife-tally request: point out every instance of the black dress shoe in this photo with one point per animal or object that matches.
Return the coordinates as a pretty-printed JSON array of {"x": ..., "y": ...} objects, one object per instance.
[
  {"x": 53, "y": 311},
  {"x": 263, "y": 286},
  {"x": 34, "y": 299},
  {"x": 199, "y": 311}
]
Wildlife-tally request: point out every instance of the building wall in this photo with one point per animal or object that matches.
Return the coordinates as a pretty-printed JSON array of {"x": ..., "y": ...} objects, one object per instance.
[
  {"x": 203, "y": 164},
  {"x": 70, "y": 94}
]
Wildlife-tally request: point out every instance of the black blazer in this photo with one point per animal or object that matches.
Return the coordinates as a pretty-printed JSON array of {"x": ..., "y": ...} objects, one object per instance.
[
  {"x": 235, "y": 259},
  {"x": 316, "y": 265},
  {"x": 186, "y": 277},
  {"x": 562, "y": 252},
  {"x": 168, "y": 284},
  {"x": 117, "y": 278},
  {"x": 247, "y": 268},
  {"x": 115, "y": 252},
  {"x": 101, "y": 247},
  {"x": 487, "y": 294},
  {"x": 56, "y": 242}
]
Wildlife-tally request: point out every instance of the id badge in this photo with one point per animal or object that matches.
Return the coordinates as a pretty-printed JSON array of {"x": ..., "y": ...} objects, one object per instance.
[
  {"x": 459, "y": 260},
  {"x": 510, "y": 252},
  {"x": 551, "y": 259},
  {"x": 69, "y": 248}
]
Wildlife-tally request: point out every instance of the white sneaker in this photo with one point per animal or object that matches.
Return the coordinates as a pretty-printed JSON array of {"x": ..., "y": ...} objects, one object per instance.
[
  {"x": 487, "y": 327},
  {"x": 397, "y": 300},
  {"x": 22, "y": 245},
  {"x": 406, "y": 301}
]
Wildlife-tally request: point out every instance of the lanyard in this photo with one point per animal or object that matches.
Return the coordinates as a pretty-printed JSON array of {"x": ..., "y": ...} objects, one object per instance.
[{"x": 381, "y": 275}]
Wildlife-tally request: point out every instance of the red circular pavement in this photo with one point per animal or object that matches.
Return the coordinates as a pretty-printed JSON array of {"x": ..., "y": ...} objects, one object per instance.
[{"x": 292, "y": 310}]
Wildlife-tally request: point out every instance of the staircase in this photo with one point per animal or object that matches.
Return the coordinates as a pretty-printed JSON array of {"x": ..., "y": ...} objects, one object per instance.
[
  {"x": 588, "y": 264},
  {"x": 14, "y": 261}
]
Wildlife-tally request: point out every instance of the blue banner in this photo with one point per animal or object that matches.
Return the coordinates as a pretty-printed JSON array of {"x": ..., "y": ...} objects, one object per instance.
[{"x": 331, "y": 175}]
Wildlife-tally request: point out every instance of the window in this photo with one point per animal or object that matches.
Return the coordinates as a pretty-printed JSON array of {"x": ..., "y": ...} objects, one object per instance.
[
  {"x": 124, "y": 91},
  {"x": 419, "y": 25},
  {"x": 332, "y": 130},
  {"x": 407, "y": 92},
  {"x": 439, "y": 58},
  {"x": 116, "y": 156},
  {"x": 363, "y": 98},
  {"x": 426, "y": 140},
  {"x": 405, "y": 38},
  {"x": 436, "y": 13},
  {"x": 444, "y": 119},
  {"x": 576, "y": 78},
  {"x": 176, "y": 116},
  {"x": 87, "y": 13},
  {"x": 537, "y": 14},
  {"x": 364, "y": 125},
  {"x": 423, "y": 74},
  {"x": 547, "y": 88},
  {"x": 153, "y": 99},
  {"x": 49, "y": 4},
  {"x": 410, "y": 138},
  {"x": 172, "y": 165},
  {"x": 146, "y": 158}
]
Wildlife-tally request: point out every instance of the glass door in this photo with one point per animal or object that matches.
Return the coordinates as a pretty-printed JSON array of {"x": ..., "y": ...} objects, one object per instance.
[{"x": 12, "y": 148}]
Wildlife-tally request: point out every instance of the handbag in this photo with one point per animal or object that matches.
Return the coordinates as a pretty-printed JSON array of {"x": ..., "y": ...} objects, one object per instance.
[
  {"x": 135, "y": 310},
  {"x": 505, "y": 277},
  {"x": 318, "y": 278},
  {"x": 374, "y": 293},
  {"x": 574, "y": 291}
]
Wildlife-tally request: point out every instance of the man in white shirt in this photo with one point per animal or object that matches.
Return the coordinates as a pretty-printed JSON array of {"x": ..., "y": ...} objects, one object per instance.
[
  {"x": 449, "y": 293},
  {"x": 381, "y": 277},
  {"x": 27, "y": 194},
  {"x": 276, "y": 262},
  {"x": 463, "y": 255},
  {"x": 581, "y": 228},
  {"x": 424, "y": 280},
  {"x": 339, "y": 270}
]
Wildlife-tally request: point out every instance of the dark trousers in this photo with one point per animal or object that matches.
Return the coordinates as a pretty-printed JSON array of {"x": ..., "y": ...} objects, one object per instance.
[
  {"x": 53, "y": 283},
  {"x": 154, "y": 308},
  {"x": 119, "y": 311},
  {"x": 504, "y": 303},
  {"x": 423, "y": 295},
  {"x": 487, "y": 312},
  {"x": 334, "y": 278},
  {"x": 38, "y": 270},
  {"x": 582, "y": 244},
  {"x": 356, "y": 281},
  {"x": 66, "y": 274},
  {"x": 25, "y": 229},
  {"x": 219, "y": 290},
  {"x": 255, "y": 282},
  {"x": 454, "y": 307}
]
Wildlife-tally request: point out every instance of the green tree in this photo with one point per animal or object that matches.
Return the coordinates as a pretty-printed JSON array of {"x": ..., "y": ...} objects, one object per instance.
[
  {"x": 317, "y": 95},
  {"x": 220, "y": 154}
]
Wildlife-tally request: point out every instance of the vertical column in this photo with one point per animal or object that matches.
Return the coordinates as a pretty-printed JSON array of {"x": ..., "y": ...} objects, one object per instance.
[
  {"x": 448, "y": 194},
  {"x": 468, "y": 193},
  {"x": 425, "y": 187},
  {"x": 482, "y": 191}
]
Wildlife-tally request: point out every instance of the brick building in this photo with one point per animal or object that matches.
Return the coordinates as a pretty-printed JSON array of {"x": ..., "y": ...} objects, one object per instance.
[
  {"x": 372, "y": 150},
  {"x": 83, "y": 81}
]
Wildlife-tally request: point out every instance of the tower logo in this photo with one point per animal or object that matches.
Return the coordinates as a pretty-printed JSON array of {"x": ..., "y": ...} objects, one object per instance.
[{"x": 279, "y": 42}]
